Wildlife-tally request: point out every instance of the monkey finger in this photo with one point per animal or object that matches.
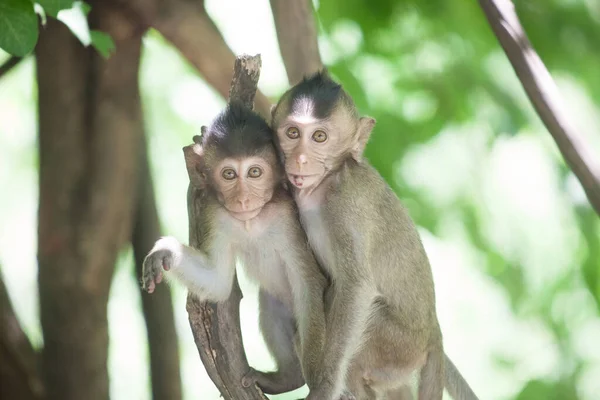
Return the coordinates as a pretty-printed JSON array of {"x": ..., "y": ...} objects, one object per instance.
[
  {"x": 166, "y": 262},
  {"x": 159, "y": 277},
  {"x": 149, "y": 286}
]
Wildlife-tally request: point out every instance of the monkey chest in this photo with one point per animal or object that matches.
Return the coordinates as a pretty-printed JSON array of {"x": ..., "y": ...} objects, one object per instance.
[
  {"x": 315, "y": 226},
  {"x": 263, "y": 264}
]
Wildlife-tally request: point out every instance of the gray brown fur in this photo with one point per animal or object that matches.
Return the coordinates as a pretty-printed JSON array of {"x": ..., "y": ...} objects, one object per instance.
[
  {"x": 271, "y": 245},
  {"x": 381, "y": 319}
]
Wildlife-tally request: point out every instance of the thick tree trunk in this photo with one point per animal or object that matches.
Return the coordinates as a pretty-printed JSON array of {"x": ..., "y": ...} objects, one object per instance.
[
  {"x": 19, "y": 377},
  {"x": 89, "y": 141},
  {"x": 158, "y": 307}
]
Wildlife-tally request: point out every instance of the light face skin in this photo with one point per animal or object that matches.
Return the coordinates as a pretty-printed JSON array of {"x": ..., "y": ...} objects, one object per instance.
[
  {"x": 243, "y": 185},
  {"x": 313, "y": 147}
]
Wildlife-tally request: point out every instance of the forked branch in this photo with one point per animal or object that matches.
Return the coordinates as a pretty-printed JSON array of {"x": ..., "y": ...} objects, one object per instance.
[{"x": 216, "y": 327}]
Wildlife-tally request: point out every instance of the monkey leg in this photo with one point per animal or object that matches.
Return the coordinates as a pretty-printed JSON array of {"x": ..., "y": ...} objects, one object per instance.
[
  {"x": 402, "y": 393},
  {"x": 431, "y": 383},
  {"x": 278, "y": 327},
  {"x": 388, "y": 359}
]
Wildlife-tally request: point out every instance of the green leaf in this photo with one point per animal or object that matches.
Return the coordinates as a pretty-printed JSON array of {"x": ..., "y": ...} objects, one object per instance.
[
  {"x": 102, "y": 42},
  {"x": 18, "y": 27},
  {"x": 52, "y": 7}
]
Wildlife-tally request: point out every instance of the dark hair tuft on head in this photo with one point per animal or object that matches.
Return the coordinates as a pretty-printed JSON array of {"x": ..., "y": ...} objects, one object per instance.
[
  {"x": 323, "y": 91},
  {"x": 238, "y": 131}
]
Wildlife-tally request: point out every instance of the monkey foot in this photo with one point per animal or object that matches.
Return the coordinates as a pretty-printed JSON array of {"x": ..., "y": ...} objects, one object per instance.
[{"x": 249, "y": 379}]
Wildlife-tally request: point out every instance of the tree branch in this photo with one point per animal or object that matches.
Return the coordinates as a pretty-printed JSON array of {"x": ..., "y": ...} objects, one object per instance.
[
  {"x": 297, "y": 36},
  {"x": 190, "y": 29},
  {"x": 543, "y": 93},
  {"x": 158, "y": 307},
  {"x": 9, "y": 65},
  {"x": 216, "y": 327},
  {"x": 18, "y": 361}
]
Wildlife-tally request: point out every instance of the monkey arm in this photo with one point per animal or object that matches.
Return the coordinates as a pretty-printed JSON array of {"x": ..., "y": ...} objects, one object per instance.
[
  {"x": 209, "y": 278},
  {"x": 348, "y": 315},
  {"x": 308, "y": 285}
]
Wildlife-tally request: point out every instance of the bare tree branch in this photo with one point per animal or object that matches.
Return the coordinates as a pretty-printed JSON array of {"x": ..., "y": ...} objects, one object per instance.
[
  {"x": 9, "y": 65},
  {"x": 216, "y": 327},
  {"x": 543, "y": 93},
  {"x": 190, "y": 29},
  {"x": 18, "y": 361},
  {"x": 297, "y": 36}
]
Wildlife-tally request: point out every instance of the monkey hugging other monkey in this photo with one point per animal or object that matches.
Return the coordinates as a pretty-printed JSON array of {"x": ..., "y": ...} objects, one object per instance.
[
  {"x": 381, "y": 317},
  {"x": 247, "y": 214}
]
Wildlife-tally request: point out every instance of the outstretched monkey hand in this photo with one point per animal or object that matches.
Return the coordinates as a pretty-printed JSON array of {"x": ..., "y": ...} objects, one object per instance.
[{"x": 163, "y": 255}]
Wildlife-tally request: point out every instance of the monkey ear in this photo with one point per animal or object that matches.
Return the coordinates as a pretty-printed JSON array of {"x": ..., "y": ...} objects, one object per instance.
[
  {"x": 365, "y": 126},
  {"x": 273, "y": 107},
  {"x": 194, "y": 162}
]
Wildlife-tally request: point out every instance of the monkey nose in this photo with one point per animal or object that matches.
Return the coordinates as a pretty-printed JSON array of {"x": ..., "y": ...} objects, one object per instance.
[
  {"x": 301, "y": 160},
  {"x": 244, "y": 204}
]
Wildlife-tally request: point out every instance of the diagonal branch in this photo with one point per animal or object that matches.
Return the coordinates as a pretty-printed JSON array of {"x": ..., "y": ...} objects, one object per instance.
[
  {"x": 18, "y": 361},
  {"x": 9, "y": 65},
  {"x": 297, "y": 36},
  {"x": 543, "y": 93},
  {"x": 216, "y": 326},
  {"x": 187, "y": 25}
]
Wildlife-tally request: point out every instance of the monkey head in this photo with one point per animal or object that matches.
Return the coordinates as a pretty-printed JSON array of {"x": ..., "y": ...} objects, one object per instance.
[
  {"x": 236, "y": 160},
  {"x": 318, "y": 129}
]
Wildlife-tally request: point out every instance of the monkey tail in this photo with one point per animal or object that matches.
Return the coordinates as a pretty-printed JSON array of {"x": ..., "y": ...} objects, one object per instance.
[{"x": 456, "y": 385}]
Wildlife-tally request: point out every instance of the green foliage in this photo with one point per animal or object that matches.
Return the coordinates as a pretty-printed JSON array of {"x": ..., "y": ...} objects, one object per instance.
[
  {"x": 103, "y": 43},
  {"x": 18, "y": 27},
  {"x": 424, "y": 68}
]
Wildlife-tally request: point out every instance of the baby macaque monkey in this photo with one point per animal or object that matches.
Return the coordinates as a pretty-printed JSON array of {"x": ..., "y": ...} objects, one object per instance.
[
  {"x": 380, "y": 309},
  {"x": 248, "y": 215}
]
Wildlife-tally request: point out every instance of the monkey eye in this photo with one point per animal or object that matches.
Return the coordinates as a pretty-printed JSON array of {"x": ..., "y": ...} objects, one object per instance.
[
  {"x": 293, "y": 133},
  {"x": 255, "y": 172},
  {"x": 319, "y": 136},
  {"x": 228, "y": 174}
]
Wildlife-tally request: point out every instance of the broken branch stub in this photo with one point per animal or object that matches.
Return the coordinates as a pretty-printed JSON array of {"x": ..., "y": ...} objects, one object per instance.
[{"x": 216, "y": 327}]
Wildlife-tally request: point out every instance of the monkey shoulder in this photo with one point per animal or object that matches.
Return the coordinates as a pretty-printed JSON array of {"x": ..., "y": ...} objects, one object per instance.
[{"x": 357, "y": 189}]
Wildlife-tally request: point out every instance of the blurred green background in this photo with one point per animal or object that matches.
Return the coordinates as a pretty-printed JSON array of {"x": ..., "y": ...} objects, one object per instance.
[{"x": 514, "y": 245}]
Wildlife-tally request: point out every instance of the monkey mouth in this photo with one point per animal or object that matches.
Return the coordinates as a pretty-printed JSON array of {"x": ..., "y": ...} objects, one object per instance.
[
  {"x": 245, "y": 215},
  {"x": 298, "y": 180}
]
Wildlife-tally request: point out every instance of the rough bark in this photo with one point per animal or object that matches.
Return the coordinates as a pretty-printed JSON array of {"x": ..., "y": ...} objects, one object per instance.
[
  {"x": 158, "y": 307},
  {"x": 19, "y": 375},
  {"x": 216, "y": 327},
  {"x": 88, "y": 148},
  {"x": 297, "y": 36},
  {"x": 190, "y": 29},
  {"x": 543, "y": 93}
]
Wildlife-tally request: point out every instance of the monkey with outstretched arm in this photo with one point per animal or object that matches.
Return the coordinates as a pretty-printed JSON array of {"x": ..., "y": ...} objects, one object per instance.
[
  {"x": 380, "y": 309},
  {"x": 248, "y": 215}
]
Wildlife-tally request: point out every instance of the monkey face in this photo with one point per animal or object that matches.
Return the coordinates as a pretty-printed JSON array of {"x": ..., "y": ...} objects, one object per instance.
[
  {"x": 244, "y": 185},
  {"x": 311, "y": 146}
]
